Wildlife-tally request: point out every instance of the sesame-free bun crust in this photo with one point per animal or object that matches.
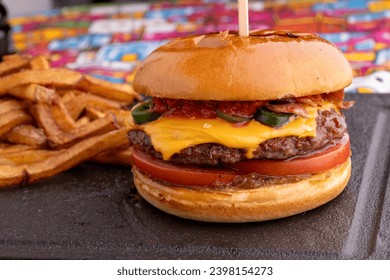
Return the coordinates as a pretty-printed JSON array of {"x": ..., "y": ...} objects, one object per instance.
[
  {"x": 266, "y": 65},
  {"x": 245, "y": 205}
]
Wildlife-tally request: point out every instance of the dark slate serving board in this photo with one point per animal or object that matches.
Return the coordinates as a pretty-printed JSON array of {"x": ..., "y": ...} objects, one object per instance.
[{"x": 94, "y": 212}]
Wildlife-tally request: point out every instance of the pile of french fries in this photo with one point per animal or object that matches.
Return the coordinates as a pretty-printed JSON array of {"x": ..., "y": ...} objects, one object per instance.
[{"x": 54, "y": 119}]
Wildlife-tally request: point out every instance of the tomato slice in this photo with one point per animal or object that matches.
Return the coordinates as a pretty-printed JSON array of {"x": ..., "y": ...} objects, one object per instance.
[
  {"x": 181, "y": 174},
  {"x": 317, "y": 163},
  {"x": 206, "y": 176}
]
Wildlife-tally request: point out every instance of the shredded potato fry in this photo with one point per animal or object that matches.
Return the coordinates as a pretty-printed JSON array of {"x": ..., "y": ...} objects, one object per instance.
[{"x": 54, "y": 119}]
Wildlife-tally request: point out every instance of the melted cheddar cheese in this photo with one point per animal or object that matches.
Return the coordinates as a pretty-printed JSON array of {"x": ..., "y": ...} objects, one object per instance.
[{"x": 171, "y": 135}]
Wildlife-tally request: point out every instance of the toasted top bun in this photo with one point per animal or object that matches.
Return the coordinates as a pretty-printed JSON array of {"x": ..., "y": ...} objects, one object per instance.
[{"x": 266, "y": 65}]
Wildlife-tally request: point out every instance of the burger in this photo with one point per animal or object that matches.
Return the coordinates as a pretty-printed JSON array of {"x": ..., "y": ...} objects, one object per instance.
[{"x": 241, "y": 128}]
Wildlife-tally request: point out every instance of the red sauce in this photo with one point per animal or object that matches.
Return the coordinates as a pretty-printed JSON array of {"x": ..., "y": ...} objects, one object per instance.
[
  {"x": 184, "y": 108},
  {"x": 240, "y": 108},
  {"x": 204, "y": 109},
  {"x": 196, "y": 109}
]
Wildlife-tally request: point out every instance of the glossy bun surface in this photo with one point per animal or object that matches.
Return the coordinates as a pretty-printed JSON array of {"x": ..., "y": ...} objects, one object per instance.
[{"x": 266, "y": 65}]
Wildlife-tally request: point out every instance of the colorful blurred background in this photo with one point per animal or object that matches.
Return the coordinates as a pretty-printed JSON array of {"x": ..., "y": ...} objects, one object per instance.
[{"x": 109, "y": 40}]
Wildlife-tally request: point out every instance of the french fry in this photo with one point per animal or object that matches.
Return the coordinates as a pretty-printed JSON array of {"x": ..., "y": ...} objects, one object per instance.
[
  {"x": 13, "y": 118},
  {"x": 76, "y": 105},
  {"x": 49, "y": 77},
  {"x": 9, "y": 57},
  {"x": 120, "y": 92},
  {"x": 12, "y": 175},
  {"x": 82, "y": 121},
  {"x": 44, "y": 118},
  {"x": 27, "y": 157},
  {"x": 64, "y": 160},
  {"x": 100, "y": 103},
  {"x": 121, "y": 115},
  {"x": 65, "y": 98},
  {"x": 118, "y": 157},
  {"x": 93, "y": 113},
  {"x": 35, "y": 93},
  {"x": 14, "y": 149},
  {"x": 69, "y": 91},
  {"x": 93, "y": 128},
  {"x": 62, "y": 117},
  {"x": 12, "y": 65},
  {"x": 39, "y": 63},
  {"x": 26, "y": 135},
  {"x": 7, "y": 105},
  {"x": 76, "y": 154}
]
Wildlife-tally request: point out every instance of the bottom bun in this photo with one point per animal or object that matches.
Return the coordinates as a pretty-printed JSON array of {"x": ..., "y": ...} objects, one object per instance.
[{"x": 245, "y": 205}]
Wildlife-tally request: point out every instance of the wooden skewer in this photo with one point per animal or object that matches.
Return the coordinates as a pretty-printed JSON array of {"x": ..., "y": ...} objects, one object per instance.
[{"x": 243, "y": 22}]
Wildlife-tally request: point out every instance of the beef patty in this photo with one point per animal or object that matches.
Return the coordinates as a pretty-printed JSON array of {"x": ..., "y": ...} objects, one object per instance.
[{"x": 330, "y": 130}]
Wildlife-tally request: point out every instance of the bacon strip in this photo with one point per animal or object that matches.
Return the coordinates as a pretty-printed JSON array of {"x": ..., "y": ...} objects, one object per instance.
[
  {"x": 337, "y": 98},
  {"x": 312, "y": 100},
  {"x": 347, "y": 104},
  {"x": 293, "y": 108}
]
